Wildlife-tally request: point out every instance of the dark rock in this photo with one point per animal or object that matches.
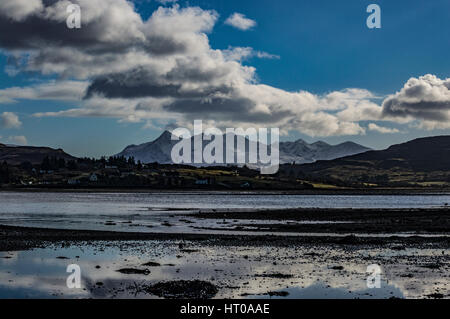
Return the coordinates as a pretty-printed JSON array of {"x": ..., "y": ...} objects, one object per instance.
[
  {"x": 188, "y": 251},
  {"x": 275, "y": 275},
  {"x": 133, "y": 271},
  {"x": 183, "y": 289},
  {"x": 337, "y": 268},
  {"x": 278, "y": 293},
  {"x": 151, "y": 264}
]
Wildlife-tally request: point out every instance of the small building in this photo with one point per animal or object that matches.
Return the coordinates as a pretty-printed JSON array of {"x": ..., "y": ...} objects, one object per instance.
[
  {"x": 205, "y": 181},
  {"x": 73, "y": 181},
  {"x": 202, "y": 182}
]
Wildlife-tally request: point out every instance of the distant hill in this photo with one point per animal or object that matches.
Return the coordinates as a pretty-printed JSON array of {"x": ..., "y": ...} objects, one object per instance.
[
  {"x": 423, "y": 159},
  {"x": 15, "y": 155},
  {"x": 299, "y": 151}
]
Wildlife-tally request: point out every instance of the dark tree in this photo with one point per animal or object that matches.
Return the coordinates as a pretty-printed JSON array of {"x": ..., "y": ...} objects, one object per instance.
[
  {"x": 46, "y": 165},
  {"x": 72, "y": 165},
  {"x": 4, "y": 173}
]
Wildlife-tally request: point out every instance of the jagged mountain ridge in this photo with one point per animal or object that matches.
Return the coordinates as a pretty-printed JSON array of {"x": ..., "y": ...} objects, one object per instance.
[{"x": 299, "y": 151}]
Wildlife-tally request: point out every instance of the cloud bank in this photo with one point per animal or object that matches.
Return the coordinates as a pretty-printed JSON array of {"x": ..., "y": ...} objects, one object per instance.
[{"x": 164, "y": 69}]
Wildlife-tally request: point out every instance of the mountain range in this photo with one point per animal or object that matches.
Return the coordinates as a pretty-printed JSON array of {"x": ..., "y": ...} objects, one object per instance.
[
  {"x": 420, "y": 160},
  {"x": 299, "y": 151},
  {"x": 422, "y": 154}
]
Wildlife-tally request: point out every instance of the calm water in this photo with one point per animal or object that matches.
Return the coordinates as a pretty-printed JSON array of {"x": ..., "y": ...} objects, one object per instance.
[
  {"x": 236, "y": 270},
  {"x": 41, "y": 273},
  {"x": 158, "y": 212}
]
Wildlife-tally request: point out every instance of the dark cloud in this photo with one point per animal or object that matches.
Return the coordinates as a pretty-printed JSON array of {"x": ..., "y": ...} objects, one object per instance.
[
  {"x": 192, "y": 71},
  {"x": 141, "y": 83},
  {"x": 425, "y": 98},
  {"x": 215, "y": 105},
  {"x": 427, "y": 110},
  {"x": 110, "y": 88},
  {"x": 238, "y": 109},
  {"x": 37, "y": 31}
]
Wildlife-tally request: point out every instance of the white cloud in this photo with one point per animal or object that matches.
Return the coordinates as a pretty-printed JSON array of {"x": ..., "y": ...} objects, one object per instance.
[
  {"x": 18, "y": 140},
  {"x": 240, "y": 21},
  {"x": 382, "y": 129},
  {"x": 165, "y": 2},
  {"x": 425, "y": 99},
  {"x": 244, "y": 53},
  {"x": 249, "y": 105},
  {"x": 265, "y": 55},
  {"x": 18, "y": 10},
  {"x": 53, "y": 90},
  {"x": 9, "y": 120}
]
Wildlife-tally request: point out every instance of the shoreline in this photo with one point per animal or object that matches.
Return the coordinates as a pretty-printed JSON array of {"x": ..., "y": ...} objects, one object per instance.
[
  {"x": 339, "y": 220},
  {"x": 317, "y": 191},
  {"x": 16, "y": 238},
  {"x": 271, "y": 227}
]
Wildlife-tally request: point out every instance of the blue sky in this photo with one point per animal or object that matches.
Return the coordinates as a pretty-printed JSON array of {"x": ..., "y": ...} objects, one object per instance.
[{"x": 323, "y": 46}]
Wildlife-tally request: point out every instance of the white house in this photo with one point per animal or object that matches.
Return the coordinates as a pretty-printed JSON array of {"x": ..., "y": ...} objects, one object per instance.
[{"x": 202, "y": 182}]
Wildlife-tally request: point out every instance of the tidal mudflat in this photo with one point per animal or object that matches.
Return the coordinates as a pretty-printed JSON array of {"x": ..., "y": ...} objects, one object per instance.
[
  {"x": 220, "y": 267},
  {"x": 136, "y": 248}
]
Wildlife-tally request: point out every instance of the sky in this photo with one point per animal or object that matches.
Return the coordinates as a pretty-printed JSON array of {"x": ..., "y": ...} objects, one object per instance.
[{"x": 312, "y": 68}]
